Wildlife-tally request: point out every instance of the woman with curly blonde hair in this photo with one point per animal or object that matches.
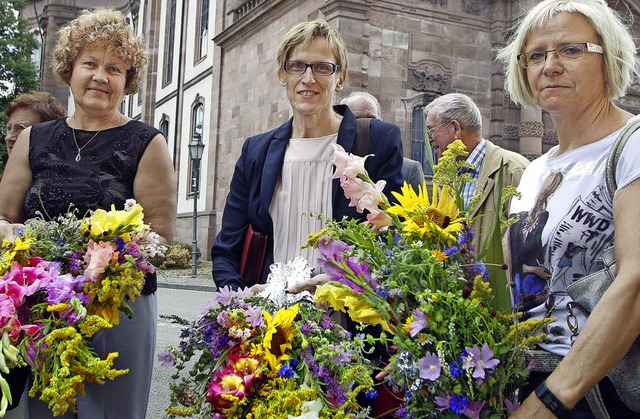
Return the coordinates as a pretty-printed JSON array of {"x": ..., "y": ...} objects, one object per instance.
[{"x": 94, "y": 159}]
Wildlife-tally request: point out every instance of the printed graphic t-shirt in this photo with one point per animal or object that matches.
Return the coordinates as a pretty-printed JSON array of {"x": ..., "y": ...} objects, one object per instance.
[{"x": 566, "y": 221}]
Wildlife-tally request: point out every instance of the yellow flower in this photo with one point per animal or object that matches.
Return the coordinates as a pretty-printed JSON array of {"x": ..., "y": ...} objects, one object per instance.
[
  {"x": 440, "y": 255},
  {"x": 103, "y": 222},
  {"x": 423, "y": 219},
  {"x": 342, "y": 298},
  {"x": 278, "y": 335}
]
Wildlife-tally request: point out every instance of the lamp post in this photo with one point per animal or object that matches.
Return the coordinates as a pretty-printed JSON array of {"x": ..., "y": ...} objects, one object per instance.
[{"x": 196, "y": 150}]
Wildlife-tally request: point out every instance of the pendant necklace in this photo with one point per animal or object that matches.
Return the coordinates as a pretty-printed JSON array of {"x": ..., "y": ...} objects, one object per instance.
[{"x": 78, "y": 158}]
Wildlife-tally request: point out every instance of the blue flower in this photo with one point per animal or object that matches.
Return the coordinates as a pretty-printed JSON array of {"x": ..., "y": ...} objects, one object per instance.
[
  {"x": 286, "y": 371},
  {"x": 458, "y": 404}
]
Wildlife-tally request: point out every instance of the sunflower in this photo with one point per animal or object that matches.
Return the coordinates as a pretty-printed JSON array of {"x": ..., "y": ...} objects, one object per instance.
[
  {"x": 278, "y": 335},
  {"x": 424, "y": 220}
]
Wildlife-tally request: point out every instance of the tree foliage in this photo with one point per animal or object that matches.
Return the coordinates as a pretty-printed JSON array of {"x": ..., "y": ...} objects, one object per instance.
[{"x": 18, "y": 73}]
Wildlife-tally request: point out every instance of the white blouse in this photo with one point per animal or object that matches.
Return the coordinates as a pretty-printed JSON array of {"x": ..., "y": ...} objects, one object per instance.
[{"x": 304, "y": 186}]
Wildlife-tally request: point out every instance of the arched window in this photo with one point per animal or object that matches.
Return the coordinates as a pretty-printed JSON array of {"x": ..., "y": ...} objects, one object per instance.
[
  {"x": 420, "y": 148},
  {"x": 197, "y": 120}
]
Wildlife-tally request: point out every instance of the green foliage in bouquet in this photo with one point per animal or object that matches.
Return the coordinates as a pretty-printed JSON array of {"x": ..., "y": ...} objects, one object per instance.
[
  {"x": 411, "y": 268},
  {"x": 247, "y": 358}
]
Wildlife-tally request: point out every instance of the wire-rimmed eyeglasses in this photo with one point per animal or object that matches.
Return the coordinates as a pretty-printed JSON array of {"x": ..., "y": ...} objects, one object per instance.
[
  {"x": 319, "y": 68},
  {"x": 17, "y": 129},
  {"x": 430, "y": 131},
  {"x": 566, "y": 53}
]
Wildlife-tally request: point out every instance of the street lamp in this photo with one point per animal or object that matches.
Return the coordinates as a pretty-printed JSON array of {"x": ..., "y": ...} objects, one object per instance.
[{"x": 196, "y": 150}]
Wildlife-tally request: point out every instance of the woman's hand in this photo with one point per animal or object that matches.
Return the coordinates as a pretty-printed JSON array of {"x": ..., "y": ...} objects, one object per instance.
[
  {"x": 309, "y": 285},
  {"x": 8, "y": 231}
]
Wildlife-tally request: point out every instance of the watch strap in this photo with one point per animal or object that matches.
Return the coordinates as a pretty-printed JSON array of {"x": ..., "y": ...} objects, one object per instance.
[{"x": 551, "y": 402}]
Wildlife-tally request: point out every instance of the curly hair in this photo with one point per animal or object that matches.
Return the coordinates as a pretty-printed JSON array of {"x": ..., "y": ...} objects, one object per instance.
[
  {"x": 102, "y": 26},
  {"x": 43, "y": 103}
]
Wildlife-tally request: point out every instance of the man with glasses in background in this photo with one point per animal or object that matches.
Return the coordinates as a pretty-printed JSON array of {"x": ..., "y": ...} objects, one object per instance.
[
  {"x": 456, "y": 117},
  {"x": 29, "y": 109}
]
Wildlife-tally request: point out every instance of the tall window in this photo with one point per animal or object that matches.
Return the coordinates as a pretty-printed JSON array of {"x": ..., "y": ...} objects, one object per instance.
[
  {"x": 197, "y": 119},
  {"x": 420, "y": 149},
  {"x": 170, "y": 43},
  {"x": 203, "y": 30},
  {"x": 164, "y": 129}
]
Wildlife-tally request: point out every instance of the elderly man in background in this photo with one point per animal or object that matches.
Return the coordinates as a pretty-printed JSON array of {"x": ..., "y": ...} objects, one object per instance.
[
  {"x": 456, "y": 117},
  {"x": 365, "y": 105}
]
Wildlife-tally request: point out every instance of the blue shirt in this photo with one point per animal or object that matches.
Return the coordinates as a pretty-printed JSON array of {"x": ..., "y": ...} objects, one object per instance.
[{"x": 476, "y": 157}]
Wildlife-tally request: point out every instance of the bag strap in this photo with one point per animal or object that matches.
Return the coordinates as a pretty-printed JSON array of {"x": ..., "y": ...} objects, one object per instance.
[
  {"x": 614, "y": 156},
  {"x": 363, "y": 137}
]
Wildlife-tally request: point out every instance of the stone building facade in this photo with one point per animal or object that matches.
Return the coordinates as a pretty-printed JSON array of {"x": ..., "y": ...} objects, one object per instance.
[{"x": 404, "y": 52}]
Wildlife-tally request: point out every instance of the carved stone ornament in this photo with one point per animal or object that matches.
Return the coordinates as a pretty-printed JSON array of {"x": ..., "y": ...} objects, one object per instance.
[{"x": 423, "y": 81}]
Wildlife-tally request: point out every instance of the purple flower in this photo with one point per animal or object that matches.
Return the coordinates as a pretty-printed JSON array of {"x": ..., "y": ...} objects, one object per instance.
[
  {"x": 479, "y": 360},
  {"x": 451, "y": 250},
  {"x": 306, "y": 329},
  {"x": 255, "y": 317},
  {"x": 442, "y": 402},
  {"x": 511, "y": 406},
  {"x": 430, "y": 367},
  {"x": 473, "y": 409},
  {"x": 332, "y": 248},
  {"x": 166, "y": 358},
  {"x": 419, "y": 322},
  {"x": 340, "y": 356},
  {"x": 326, "y": 322},
  {"x": 226, "y": 295}
]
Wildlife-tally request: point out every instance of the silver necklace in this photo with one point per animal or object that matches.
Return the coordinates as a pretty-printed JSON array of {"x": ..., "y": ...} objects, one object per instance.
[{"x": 78, "y": 157}]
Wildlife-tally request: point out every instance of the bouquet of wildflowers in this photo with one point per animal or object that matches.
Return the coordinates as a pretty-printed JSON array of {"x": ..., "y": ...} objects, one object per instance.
[
  {"x": 411, "y": 269},
  {"x": 62, "y": 281},
  {"x": 249, "y": 357}
]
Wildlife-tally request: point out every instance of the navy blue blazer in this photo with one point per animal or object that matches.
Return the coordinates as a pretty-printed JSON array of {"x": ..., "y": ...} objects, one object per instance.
[{"x": 254, "y": 181}]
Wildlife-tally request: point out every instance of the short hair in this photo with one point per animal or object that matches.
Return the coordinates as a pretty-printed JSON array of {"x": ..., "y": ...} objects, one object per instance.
[
  {"x": 459, "y": 107},
  {"x": 305, "y": 32},
  {"x": 619, "y": 49},
  {"x": 44, "y": 104},
  {"x": 102, "y": 26},
  {"x": 369, "y": 101}
]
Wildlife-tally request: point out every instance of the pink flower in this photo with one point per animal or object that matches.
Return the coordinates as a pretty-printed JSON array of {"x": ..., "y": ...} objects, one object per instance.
[
  {"x": 380, "y": 219},
  {"x": 97, "y": 258},
  {"x": 347, "y": 165},
  {"x": 7, "y": 308}
]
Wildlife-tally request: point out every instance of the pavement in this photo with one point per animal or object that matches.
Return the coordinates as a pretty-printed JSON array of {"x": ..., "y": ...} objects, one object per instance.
[{"x": 184, "y": 278}]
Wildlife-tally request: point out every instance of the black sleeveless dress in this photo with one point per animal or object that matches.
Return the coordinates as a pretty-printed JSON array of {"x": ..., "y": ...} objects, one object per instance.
[{"x": 103, "y": 176}]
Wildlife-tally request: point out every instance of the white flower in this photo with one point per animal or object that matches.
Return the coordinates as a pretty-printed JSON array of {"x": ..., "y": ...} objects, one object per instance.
[{"x": 310, "y": 410}]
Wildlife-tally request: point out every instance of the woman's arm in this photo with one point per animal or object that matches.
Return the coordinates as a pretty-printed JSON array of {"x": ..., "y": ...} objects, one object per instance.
[
  {"x": 154, "y": 187},
  {"x": 614, "y": 323},
  {"x": 15, "y": 183}
]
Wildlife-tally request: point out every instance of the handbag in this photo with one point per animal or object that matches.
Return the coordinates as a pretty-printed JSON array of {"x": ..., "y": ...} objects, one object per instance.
[
  {"x": 587, "y": 291},
  {"x": 253, "y": 254}
]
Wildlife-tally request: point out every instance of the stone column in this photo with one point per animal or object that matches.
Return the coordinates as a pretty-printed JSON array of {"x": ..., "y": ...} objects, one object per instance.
[{"x": 530, "y": 131}]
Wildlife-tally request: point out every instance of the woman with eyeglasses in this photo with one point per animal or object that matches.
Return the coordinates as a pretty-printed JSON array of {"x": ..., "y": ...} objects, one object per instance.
[
  {"x": 286, "y": 172},
  {"x": 573, "y": 58},
  {"x": 29, "y": 109}
]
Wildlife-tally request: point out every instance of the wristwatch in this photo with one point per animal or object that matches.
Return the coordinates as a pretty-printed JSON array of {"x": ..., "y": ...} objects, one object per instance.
[{"x": 551, "y": 402}]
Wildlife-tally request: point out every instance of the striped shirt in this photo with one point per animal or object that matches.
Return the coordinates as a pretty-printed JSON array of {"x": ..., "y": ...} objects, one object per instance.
[{"x": 475, "y": 157}]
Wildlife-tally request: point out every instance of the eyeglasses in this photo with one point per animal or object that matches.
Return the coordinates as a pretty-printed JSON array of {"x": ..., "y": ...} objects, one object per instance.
[
  {"x": 430, "y": 131},
  {"x": 565, "y": 54},
  {"x": 319, "y": 68},
  {"x": 17, "y": 129}
]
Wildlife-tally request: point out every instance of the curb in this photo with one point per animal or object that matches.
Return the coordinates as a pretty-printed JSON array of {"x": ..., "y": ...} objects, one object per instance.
[{"x": 189, "y": 287}]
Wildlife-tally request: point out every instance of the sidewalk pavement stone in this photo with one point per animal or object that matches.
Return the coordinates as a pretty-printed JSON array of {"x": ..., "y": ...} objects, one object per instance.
[{"x": 182, "y": 278}]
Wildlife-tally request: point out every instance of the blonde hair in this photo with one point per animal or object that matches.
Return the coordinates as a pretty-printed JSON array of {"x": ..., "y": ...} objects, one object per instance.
[
  {"x": 305, "y": 32},
  {"x": 102, "y": 26},
  {"x": 619, "y": 49}
]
